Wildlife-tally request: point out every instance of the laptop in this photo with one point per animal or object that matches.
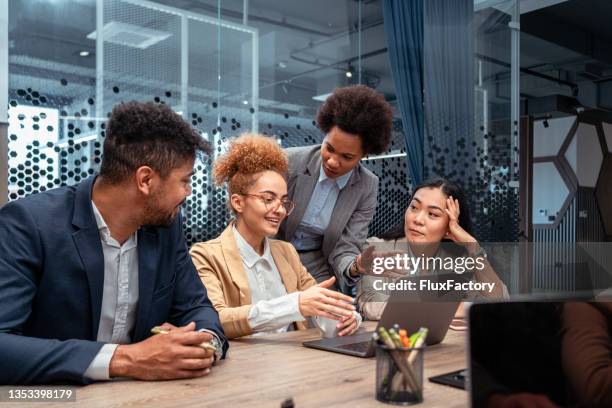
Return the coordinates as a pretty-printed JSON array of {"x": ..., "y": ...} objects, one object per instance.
[{"x": 409, "y": 314}]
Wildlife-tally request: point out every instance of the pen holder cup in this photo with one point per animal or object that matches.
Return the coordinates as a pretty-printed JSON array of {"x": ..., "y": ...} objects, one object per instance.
[{"x": 399, "y": 375}]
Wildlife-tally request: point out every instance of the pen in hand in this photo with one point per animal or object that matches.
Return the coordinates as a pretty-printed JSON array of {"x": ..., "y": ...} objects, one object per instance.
[{"x": 162, "y": 330}]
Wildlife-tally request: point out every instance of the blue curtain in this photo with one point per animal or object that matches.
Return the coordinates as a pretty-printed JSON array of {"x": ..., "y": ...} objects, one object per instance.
[
  {"x": 448, "y": 88},
  {"x": 404, "y": 31}
]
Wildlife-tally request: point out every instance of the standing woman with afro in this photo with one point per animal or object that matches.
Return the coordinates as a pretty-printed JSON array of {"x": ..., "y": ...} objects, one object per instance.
[
  {"x": 258, "y": 284},
  {"x": 335, "y": 194}
]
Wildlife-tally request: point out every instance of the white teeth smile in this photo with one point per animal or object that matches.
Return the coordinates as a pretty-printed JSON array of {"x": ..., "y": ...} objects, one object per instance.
[{"x": 273, "y": 220}]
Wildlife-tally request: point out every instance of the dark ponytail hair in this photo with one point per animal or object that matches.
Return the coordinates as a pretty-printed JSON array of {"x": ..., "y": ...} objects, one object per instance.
[{"x": 449, "y": 188}]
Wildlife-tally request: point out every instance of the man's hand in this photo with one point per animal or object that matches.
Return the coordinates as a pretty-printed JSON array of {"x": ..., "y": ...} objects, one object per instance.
[
  {"x": 320, "y": 301},
  {"x": 164, "y": 356}
]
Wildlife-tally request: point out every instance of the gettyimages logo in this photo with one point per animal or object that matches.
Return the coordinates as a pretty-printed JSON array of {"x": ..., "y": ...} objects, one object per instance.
[{"x": 410, "y": 265}]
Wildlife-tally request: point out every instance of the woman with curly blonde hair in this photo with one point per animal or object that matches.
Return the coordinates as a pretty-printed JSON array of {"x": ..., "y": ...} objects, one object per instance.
[{"x": 258, "y": 284}]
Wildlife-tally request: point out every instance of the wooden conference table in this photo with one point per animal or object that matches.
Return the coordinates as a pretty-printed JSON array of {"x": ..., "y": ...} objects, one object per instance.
[{"x": 263, "y": 371}]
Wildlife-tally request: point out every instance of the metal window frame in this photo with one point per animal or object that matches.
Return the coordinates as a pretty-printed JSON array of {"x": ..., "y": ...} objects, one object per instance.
[
  {"x": 3, "y": 102},
  {"x": 185, "y": 17}
]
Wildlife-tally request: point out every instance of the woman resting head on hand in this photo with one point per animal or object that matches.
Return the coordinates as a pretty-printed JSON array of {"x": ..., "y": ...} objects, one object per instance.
[{"x": 436, "y": 224}]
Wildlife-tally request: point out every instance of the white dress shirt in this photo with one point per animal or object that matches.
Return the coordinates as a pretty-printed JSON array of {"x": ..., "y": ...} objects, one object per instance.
[
  {"x": 273, "y": 309},
  {"x": 119, "y": 297},
  {"x": 310, "y": 231}
]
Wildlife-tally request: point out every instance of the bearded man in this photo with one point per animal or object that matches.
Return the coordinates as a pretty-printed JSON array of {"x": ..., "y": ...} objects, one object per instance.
[{"x": 87, "y": 271}]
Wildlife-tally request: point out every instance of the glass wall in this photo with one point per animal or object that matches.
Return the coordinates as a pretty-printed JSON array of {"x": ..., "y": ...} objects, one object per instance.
[
  {"x": 231, "y": 66},
  {"x": 226, "y": 66},
  {"x": 52, "y": 123},
  {"x": 260, "y": 65},
  {"x": 469, "y": 132},
  {"x": 471, "y": 116}
]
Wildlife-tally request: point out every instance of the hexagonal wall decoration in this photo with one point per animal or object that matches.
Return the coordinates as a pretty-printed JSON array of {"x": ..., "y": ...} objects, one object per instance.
[
  {"x": 549, "y": 135},
  {"x": 584, "y": 154},
  {"x": 551, "y": 193},
  {"x": 607, "y": 129},
  {"x": 603, "y": 193}
]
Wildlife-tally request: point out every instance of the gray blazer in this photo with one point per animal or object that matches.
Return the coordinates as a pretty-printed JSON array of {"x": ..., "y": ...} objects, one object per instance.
[{"x": 348, "y": 229}]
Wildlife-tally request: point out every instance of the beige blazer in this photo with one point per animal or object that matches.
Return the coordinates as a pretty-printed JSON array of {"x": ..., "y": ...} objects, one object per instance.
[{"x": 220, "y": 267}]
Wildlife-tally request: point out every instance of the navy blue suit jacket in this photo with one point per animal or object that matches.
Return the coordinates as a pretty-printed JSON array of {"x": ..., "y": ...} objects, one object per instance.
[{"x": 52, "y": 278}]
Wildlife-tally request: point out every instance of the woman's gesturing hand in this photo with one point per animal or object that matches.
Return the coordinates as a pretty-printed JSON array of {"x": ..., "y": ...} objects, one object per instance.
[{"x": 320, "y": 301}]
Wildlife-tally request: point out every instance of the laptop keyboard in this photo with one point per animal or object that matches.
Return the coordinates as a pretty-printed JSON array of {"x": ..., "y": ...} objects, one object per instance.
[{"x": 361, "y": 347}]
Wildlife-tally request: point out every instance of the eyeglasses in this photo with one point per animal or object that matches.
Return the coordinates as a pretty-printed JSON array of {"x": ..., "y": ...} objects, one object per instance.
[{"x": 272, "y": 202}]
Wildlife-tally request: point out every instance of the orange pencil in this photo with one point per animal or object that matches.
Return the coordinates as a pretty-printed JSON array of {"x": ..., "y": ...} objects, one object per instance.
[
  {"x": 404, "y": 338},
  {"x": 405, "y": 341}
]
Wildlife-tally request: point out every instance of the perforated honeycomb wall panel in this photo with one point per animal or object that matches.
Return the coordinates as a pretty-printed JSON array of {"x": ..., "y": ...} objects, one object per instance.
[
  {"x": 69, "y": 157},
  {"x": 485, "y": 165},
  {"x": 49, "y": 141},
  {"x": 45, "y": 155}
]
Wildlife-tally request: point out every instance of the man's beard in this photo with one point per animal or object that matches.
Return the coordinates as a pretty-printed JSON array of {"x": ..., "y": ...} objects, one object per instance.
[
  {"x": 158, "y": 218},
  {"x": 161, "y": 220}
]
